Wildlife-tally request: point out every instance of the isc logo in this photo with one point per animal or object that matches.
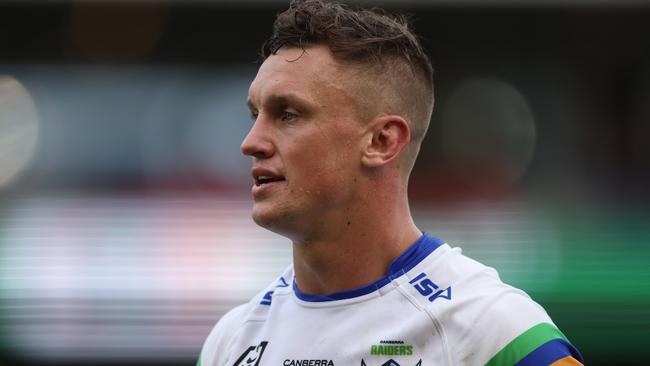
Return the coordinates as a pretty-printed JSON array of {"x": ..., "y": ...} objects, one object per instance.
[{"x": 427, "y": 288}]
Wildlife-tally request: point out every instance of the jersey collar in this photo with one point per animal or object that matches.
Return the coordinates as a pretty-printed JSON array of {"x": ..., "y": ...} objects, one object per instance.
[{"x": 419, "y": 250}]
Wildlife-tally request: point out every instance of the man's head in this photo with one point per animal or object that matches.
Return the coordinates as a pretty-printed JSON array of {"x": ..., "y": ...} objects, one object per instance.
[
  {"x": 340, "y": 106},
  {"x": 390, "y": 72}
]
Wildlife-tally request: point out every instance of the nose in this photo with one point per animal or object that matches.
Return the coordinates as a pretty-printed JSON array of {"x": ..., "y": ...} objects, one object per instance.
[{"x": 258, "y": 141}]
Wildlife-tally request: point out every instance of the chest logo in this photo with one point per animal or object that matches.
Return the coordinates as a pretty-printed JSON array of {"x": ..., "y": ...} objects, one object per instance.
[
  {"x": 391, "y": 348},
  {"x": 390, "y": 362},
  {"x": 427, "y": 288},
  {"x": 252, "y": 355}
]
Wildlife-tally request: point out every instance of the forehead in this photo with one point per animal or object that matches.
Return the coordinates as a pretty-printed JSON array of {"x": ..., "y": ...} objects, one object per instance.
[{"x": 294, "y": 70}]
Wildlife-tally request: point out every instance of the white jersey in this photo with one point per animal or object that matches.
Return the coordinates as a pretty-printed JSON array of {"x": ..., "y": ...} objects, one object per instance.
[{"x": 434, "y": 307}]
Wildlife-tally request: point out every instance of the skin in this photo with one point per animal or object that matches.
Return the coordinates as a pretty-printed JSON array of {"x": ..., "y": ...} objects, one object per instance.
[{"x": 343, "y": 198}]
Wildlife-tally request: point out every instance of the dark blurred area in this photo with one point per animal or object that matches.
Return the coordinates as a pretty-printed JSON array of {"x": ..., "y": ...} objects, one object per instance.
[{"x": 124, "y": 228}]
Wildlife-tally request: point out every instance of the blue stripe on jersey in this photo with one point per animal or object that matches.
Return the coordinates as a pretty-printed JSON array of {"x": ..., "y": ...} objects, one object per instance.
[
  {"x": 550, "y": 352},
  {"x": 419, "y": 250},
  {"x": 414, "y": 255}
]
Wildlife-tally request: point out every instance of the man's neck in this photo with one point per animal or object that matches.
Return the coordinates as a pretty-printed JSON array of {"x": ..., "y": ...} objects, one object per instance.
[{"x": 356, "y": 255}]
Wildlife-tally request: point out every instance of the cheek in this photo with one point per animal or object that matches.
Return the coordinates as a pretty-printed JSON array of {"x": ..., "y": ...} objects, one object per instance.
[
  {"x": 325, "y": 171},
  {"x": 311, "y": 168},
  {"x": 323, "y": 160}
]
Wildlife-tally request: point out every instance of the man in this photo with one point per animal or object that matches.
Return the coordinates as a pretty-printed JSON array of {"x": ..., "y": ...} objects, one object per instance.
[{"x": 340, "y": 106}]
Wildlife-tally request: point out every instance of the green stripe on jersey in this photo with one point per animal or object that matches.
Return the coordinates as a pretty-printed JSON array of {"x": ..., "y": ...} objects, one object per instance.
[{"x": 525, "y": 343}]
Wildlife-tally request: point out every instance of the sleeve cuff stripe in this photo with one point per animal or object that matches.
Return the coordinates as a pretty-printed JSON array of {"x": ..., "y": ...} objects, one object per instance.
[
  {"x": 526, "y": 343},
  {"x": 549, "y": 353}
]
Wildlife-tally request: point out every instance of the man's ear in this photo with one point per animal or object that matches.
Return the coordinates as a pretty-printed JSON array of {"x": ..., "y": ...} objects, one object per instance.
[{"x": 387, "y": 136}]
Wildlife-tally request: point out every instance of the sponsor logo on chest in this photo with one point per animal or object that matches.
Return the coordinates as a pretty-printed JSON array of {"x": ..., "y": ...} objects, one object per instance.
[{"x": 308, "y": 363}]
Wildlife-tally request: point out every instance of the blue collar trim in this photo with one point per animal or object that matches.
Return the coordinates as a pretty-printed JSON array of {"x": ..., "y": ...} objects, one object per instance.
[{"x": 419, "y": 250}]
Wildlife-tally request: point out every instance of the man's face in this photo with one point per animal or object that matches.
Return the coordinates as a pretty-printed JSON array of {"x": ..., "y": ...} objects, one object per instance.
[{"x": 305, "y": 142}]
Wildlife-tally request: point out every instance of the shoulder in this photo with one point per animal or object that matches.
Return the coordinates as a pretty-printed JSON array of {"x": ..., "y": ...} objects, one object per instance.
[
  {"x": 485, "y": 321},
  {"x": 224, "y": 333}
]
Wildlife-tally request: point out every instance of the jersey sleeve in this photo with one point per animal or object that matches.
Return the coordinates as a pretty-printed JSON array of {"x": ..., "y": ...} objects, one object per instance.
[
  {"x": 490, "y": 323},
  {"x": 541, "y": 345},
  {"x": 214, "y": 350},
  {"x": 513, "y": 330}
]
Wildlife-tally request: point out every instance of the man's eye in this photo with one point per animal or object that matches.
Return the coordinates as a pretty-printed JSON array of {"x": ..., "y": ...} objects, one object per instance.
[
  {"x": 254, "y": 116},
  {"x": 288, "y": 116}
]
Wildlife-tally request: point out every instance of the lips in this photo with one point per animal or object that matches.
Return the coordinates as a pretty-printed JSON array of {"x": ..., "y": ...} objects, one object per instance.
[
  {"x": 263, "y": 176},
  {"x": 267, "y": 179}
]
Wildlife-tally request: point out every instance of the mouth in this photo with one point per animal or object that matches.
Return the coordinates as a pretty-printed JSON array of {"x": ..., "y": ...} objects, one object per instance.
[{"x": 261, "y": 180}]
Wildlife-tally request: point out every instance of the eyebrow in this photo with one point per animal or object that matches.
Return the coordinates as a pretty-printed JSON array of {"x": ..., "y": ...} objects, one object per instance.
[{"x": 284, "y": 99}]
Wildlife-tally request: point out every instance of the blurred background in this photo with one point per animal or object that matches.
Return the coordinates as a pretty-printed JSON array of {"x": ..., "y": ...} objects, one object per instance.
[{"x": 124, "y": 201}]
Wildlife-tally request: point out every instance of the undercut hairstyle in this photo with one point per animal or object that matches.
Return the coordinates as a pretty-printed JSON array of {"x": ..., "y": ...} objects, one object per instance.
[{"x": 390, "y": 55}]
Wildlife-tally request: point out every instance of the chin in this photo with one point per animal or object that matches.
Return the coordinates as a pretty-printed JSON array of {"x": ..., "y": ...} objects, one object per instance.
[
  {"x": 266, "y": 216},
  {"x": 278, "y": 221},
  {"x": 262, "y": 219}
]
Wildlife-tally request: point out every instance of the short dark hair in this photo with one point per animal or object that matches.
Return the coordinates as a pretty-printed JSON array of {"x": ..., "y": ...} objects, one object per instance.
[
  {"x": 381, "y": 43},
  {"x": 351, "y": 33}
]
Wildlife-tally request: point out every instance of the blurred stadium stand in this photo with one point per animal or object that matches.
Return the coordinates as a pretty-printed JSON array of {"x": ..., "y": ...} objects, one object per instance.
[{"x": 124, "y": 205}]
